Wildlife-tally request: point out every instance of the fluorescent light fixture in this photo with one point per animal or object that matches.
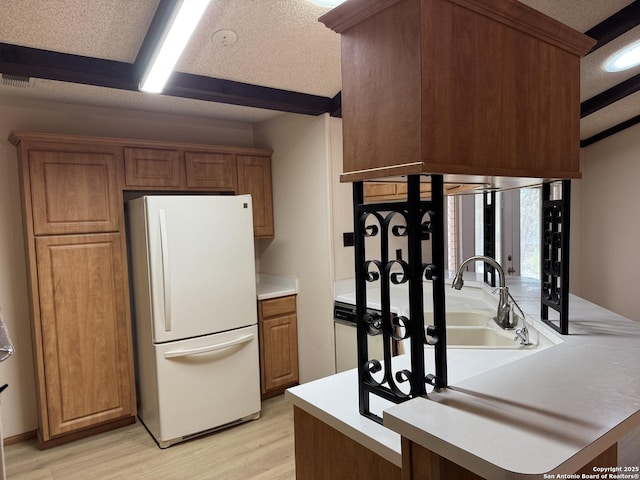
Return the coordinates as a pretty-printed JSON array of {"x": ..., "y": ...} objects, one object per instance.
[
  {"x": 626, "y": 58},
  {"x": 327, "y": 3},
  {"x": 183, "y": 22}
]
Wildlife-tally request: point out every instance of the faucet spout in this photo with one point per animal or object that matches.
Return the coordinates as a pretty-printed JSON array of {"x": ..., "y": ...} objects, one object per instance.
[{"x": 503, "y": 315}]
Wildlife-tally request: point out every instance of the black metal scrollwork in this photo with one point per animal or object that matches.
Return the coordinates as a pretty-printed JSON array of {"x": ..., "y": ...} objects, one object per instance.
[
  {"x": 372, "y": 276},
  {"x": 416, "y": 220},
  {"x": 555, "y": 256}
]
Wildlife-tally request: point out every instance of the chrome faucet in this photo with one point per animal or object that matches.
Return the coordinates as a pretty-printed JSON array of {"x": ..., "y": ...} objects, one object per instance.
[{"x": 504, "y": 318}]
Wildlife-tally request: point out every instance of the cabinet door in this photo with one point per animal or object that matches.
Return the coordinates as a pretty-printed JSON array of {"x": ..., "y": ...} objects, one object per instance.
[
  {"x": 85, "y": 331},
  {"x": 278, "y": 344},
  {"x": 377, "y": 192},
  {"x": 75, "y": 191},
  {"x": 152, "y": 167},
  {"x": 254, "y": 177},
  {"x": 279, "y": 352},
  {"x": 215, "y": 171}
]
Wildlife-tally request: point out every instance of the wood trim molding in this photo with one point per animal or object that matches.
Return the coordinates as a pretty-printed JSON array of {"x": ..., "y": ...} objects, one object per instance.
[
  {"x": 18, "y": 136},
  {"x": 21, "y": 437},
  {"x": 414, "y": 168},
  {"x": 353, "y": 12},
  {"x": 513, "y": 14},
  {"x": 532, "y": 22}
]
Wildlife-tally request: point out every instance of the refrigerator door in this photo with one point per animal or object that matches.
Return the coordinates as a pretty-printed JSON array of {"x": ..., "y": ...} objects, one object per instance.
[
  {"x": 201, "y": 264},
  {"x": 201, "y": 385}
]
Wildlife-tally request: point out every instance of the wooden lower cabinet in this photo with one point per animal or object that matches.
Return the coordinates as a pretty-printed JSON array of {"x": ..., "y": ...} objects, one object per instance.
[
  {"x": 323, "y": 453},
  {"x": 420, "y": 463},
  {"x": 396, "y": 191},
  {"x": 83, "y": 334},
  {"x": 278, "y": 331}
]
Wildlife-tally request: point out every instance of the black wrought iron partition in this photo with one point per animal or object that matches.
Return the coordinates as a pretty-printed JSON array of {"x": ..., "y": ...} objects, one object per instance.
[
  {"x": 489, "y": 234},
  {"x": 422, "y": 220},
  {"x": 555, "y": 254}
]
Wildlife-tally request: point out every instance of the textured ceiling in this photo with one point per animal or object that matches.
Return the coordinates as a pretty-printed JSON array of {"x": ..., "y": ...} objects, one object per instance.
[
  {"x": 280, "y": 44},
  {"x": 111, "y": 29},
  {"x": 594, "y": 79},
  {"x": 109, "y": 97},
  {"x": 578, "y": 14}
]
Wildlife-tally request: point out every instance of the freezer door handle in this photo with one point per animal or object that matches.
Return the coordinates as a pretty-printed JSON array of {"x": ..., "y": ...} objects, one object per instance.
[
  {"x": 166, "y": 272},
  {"x": 208, "y": 348}
]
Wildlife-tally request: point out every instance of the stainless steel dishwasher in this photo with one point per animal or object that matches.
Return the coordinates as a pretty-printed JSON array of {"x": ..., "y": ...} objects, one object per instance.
[{"x": 344, "y": 323}]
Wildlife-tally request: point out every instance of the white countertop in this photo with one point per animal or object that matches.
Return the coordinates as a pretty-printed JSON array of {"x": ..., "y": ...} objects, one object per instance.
[
  {"x": 506, "y": 413},
  {"x": 274, "y": 286}
]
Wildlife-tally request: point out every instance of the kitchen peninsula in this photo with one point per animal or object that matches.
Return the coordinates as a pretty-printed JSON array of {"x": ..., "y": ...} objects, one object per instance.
[
  {"x": 507, "y": 413},
  {"x": 478, "y": 92}
]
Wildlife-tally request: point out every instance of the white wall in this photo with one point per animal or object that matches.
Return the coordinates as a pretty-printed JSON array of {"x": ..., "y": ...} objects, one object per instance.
[
  {"x": 302, "y": 243},
  {"x": 341, "y": 207},
  {"x": 575, "y": 245},
  {"x": 18, "y": 401},
  {"x": 608, "y": 252},
  {"x": 610, "y": 229}
]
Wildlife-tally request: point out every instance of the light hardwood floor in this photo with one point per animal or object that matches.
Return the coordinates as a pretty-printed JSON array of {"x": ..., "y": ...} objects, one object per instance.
[{"x": 261, "y": 449}]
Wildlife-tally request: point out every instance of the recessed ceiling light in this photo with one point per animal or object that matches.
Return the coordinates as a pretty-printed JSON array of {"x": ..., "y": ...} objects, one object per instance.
[
  {"x": 626, "y": 58},
  {"x": 327, "y": 3}
]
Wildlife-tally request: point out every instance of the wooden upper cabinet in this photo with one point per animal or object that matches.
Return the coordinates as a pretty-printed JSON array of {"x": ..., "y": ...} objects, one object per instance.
[
  {"x": 464, "y": 87},
  {"x": 214, "y": 171},
  {"x": 254, "y": 177},
  {"x": 75, "y": 184},
  {"x": 74, "y": 189},
  {"x": 153, "y": 167},
  {"x": 85, "y": 332}
]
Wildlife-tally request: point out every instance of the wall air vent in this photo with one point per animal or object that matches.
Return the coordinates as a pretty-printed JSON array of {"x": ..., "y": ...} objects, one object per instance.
[{"x": 15, "y": 81}]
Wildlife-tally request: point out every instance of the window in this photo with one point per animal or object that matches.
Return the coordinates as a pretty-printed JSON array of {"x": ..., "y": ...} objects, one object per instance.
[
  {"x": 530, "y": 232},
  {"x": 517, "y": 231}
]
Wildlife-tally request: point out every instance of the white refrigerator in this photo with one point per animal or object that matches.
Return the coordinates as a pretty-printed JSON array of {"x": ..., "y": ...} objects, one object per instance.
[{"x": 193, "y": 280}]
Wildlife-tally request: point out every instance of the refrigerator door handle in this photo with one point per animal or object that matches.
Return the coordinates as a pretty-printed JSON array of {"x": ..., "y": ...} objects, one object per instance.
[
  {"x": 208, "y": 348},
  {"x": 166, "y": 273}
]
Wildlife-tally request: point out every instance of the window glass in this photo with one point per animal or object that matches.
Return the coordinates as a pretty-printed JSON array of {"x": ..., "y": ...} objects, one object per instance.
[
  {"x": 479, "y": 232},
  {"x": 530, "y": 232}
]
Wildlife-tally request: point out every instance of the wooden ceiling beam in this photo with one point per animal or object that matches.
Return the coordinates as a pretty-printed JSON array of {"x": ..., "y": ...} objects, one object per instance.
[
  {"x": 609, "y": 29},
  {"x": 64, "y": 67},
  {"x": 612, "y": 95},
  {"x": 616, "y": 25},
  {"x": 236, "y": 93},
  {"x": 610, "y": 131}
]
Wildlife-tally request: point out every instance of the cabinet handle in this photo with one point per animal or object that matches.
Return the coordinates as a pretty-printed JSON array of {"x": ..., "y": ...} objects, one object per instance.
[
  {"x": 208, "y": 348},
  {"x": 166, "y": 272}
]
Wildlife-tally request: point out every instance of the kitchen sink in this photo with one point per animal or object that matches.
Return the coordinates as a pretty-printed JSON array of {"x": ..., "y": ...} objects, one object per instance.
[
  {"x": 479, "y": 337},
  {"x": 465, "y": 318},
  {"x": 477, "y": 329}
]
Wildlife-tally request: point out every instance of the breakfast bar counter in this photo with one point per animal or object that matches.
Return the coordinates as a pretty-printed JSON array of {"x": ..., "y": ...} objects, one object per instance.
[{"x": 507, "y": 414}]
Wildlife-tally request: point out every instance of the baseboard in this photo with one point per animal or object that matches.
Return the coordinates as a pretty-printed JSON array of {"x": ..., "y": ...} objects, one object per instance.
[{"x": 21, "y": 437}]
